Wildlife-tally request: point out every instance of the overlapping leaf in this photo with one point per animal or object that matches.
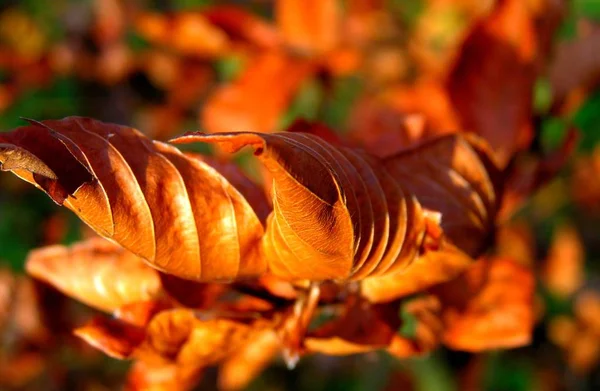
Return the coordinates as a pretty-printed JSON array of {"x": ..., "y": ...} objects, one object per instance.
[
  {"x": 175, "y": 211},
  {"x": 175, "y": 336},
  {"x": 342, "y": 214},
  {"x": 338, "y": 213}
]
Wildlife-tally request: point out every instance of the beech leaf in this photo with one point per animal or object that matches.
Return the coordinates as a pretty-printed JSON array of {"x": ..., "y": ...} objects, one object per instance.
[
  {"x": 173, "y": 210},
  {"x": 489, "y": 307},
  {"x": 339, "y": 213},
  {"x": 96, "y": 272}
]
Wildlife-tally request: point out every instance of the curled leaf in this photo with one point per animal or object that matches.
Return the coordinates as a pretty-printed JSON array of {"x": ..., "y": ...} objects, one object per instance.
[
  {"x": 173, "y": 210},
  {"x": 339, "y": 213},
  {"x": 96, "y": 272},
  {"x": 175, "y": 336},
  {"x": 365, "y": 327}
]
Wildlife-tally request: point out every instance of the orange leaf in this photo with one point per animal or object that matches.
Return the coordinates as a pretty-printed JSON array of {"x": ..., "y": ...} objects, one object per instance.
[
  {"x": 340, "y": 213},
  {"x": 96, "y": 272},
  {"x": 563, "y": 272},
  {"x": 241, "y": 24},
  {"x": 492, "y": 81},
  {"x": 425, "y": 272},
  {"x": 189, "y": 33},
  {"x": 489, "y": 307},
  {"x": 175, "y": 211},
  {"x": 309, "y": 26},
  {"x": 176, "y": 336},
  {"x": 365, "y": 327},
  {"x": 242, "y": 106},
  {"x": 244, "y": 365},
  {"x": 145, "y": 377}
]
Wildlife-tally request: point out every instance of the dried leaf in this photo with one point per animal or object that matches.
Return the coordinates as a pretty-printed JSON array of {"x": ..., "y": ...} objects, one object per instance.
[
  {"x": 175, "y": 211},
  {"x": 425, "y": 272},
  {"x": 491, "y": 83},
  {"x": 236, "y": 372},
  {"x": 364, "y": 327},
  {"x": 563, "y": 272},
  {"x": 96, "y": 272},
  {"x": 309, "y": 26},
  {"x": 241, "y": 106},
  {"x": 340, "y": 213},
  {"x": 189, "y": 33},
  {"x": 489, "y": 307},
  {"x": 240, "y": 24},
  {"x": 145, "y": 377},
  {"x": 175, "y": 336}
]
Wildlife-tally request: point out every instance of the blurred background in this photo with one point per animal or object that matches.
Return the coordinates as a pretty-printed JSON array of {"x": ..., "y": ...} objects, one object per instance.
[{"x": 373, "y": 70}]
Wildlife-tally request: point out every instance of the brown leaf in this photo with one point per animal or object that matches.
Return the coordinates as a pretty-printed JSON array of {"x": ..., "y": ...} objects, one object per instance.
[
  {"x": 191, "y": 293},
  {"x": 240, "y": 24},
  {"x": 489, "y": 307},
  {"x": 241, "y": 106},
  {"x": 175, "y": 211},
  {"x": 362, "y": 327},
  {"x": 146, "y": 377},
  {"x": 176, "y": 336},
  {"x": 96, "y": 272},
  {"x": 113, "y": 337},
  {"x": 237, "y": 371},
  {"x": 424, "y": 272},
  {"x": 563, "y": 272},
  {"x": 340, "y": 213},
  {"x": 189, "y": 33},
  {"x": 365, "y": 327},
  {"x": 491, "y": 83},
  {"x": 309, "y": 26}
]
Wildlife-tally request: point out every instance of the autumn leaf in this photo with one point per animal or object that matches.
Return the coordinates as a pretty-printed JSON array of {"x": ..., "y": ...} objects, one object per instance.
[
  {"x": 238, "y": 370},
  {"x": 174, "y": 336},
  {"x": 96, "y": 272},
  {"x": 364, "y": 327},
  {"x": 173, "y": 210},
  {"x": 491, "y": 83},
  {"x": 240, "y": 105},
  {"x": 489, "y": 307},
  {"x": 189, "y": 33},
  {"x": 240, "y": 24},
  {"x": 311, "y": 26},
  {"x": 339, "y": 213},
  {"x": 563, "y": 272}
]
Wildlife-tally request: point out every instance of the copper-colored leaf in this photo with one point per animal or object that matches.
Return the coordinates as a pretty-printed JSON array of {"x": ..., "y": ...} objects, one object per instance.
[
  {"x": 244, "y": 365},
  {"x": 365, "y": 327},
  {"x": 147, "y": 377},
  {"x": 340, "y": 213},
  {"x": 241, "y": 105},
  {"x": 96, "y": 272},
  {"x": 243, "y": 25},
  {"x": 189, "y": 33},
  {"x": 310, "y": 26},
  {"x": 489, "y": 307},
  {"x": 492, "y": 81},
  {"x": 425, "y": 272},
  {"x": 175, "y": 211},
  {"x": 115, "y": 338},
  {"x": 174, "y": 336},
  {"x": 563, "y": 272}
]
